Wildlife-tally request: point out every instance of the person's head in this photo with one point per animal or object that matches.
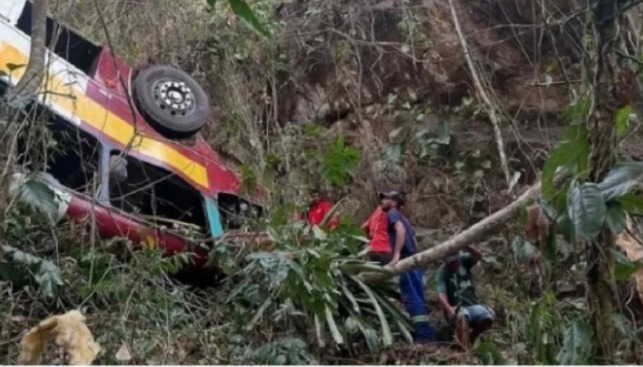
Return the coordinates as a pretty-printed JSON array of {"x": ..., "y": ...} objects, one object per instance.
[
  {"x": 317, "y": 195},
  {"x": 391, "y": 199},
  {"x": 452, "y": 262}
]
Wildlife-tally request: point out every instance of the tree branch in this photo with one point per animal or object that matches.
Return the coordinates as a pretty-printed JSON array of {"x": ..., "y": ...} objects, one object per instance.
[
  {"x": 458, "y": 242},
  {"x": 484, "y": 97}
]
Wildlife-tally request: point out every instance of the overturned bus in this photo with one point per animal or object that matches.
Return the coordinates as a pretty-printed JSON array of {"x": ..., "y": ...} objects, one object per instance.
[{"x": 127, "y": 151}]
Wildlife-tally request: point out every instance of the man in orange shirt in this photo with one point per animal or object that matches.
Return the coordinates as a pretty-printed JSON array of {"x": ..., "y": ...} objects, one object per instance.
[
  {"x": 318, "y": 210},
  {"x": 379, "y": 248}
]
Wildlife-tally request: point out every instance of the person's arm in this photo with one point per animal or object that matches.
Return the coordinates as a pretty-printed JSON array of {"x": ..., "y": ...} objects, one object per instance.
[
  {"x": 365, "y": 226},
  {"x": 475, "y": 252},
  {"x": 441, "y": 286},
  {"x": 400, "y": 236}
]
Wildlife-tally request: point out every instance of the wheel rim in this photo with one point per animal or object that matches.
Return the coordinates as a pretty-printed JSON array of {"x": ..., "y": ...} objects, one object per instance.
[{"x": 174, "y": 97}]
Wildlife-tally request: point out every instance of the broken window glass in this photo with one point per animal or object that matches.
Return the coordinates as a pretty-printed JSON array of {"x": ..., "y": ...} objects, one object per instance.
[
  {"x": 70, "y": 155},
  {"x": 155, "y": 195}
]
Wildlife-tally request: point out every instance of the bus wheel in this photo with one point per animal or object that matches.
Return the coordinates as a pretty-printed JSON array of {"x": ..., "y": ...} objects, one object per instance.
[{"x": 172, "y": 102}]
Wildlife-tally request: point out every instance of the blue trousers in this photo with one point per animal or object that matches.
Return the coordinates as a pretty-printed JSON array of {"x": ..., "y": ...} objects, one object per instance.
[{"x": 412, "y": 290}]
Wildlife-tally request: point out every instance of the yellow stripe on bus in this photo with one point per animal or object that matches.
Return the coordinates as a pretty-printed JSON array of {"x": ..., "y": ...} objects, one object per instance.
[{"x": 68, "y": 98}]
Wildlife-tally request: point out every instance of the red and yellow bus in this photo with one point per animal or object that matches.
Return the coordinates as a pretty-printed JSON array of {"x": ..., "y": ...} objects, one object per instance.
[{"x": 127, "y": 149}]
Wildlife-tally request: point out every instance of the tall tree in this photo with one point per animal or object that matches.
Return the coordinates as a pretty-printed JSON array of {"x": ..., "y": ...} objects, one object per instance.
[
  {"x": 26, "y": 89},
  {"x": 610, "y": 93},
  {"x": 32, "y": 78}
]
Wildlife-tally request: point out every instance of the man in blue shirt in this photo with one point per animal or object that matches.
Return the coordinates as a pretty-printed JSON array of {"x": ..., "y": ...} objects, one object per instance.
[{"x": 402, "y": 239}]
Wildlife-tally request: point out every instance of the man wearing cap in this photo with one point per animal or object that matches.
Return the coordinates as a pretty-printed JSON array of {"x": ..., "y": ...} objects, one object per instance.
[
  {"x": 402, "y": 241},
  {"x": 458, "y": 297}
]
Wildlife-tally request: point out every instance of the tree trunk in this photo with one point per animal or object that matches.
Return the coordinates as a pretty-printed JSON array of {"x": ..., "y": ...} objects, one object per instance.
[
  {"x": 32, "y": 78},
  {"x": 27, "y": 87},
  {"x": 463, "y": 239},
  {"x": 602, "y": 296}
]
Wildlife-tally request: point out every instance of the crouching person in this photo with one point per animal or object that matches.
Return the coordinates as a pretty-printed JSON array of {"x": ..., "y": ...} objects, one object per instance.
[{"x": 457, "y": 296}]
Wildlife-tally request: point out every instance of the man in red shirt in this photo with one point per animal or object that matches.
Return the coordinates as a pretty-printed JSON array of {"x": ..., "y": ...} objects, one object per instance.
[
  {"x": 318, "y": 210},
  {"x": 379, "y": 248}
]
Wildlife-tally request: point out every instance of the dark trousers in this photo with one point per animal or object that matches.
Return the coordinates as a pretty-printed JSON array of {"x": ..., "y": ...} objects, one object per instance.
[
  {"x": 412, "y": 290},
  {"x": 381, "y": 258}
]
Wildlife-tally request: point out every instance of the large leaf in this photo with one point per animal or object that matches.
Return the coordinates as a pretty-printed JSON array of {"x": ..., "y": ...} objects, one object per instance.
[
  {"x": 338, "y": 162},
  {"x": 621, "y": 179},
  {"x": 624, "y": 268},
  {"x": 624, "y": 326},
  {"x": 587, "y": 210},
  {"x": 577, "y": 344},
  {"x": 572, "y": 152},
  {"x": 243, "y": 11},
  {"x": 632, "y": 203},
  {"x": 334, "y": 331},
  {"x": 39, "y": 196},
  {"x": 615, "y": 217},
  {"x": 386, "y": 330},
  {"x": 566, "y": 227},
  {"x": 45, "y": 273},
  {"x": 401, "y": 320},
  {"x": 622, "y": 119},
  {"x": 489, "y": 354}
]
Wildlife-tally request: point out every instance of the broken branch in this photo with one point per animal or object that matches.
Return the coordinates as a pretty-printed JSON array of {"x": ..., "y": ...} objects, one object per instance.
[{"x": 484, "y": 97}]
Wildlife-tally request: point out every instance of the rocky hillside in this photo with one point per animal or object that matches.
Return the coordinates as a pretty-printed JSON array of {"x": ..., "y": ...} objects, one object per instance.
[{"x": 389, "y": 75}]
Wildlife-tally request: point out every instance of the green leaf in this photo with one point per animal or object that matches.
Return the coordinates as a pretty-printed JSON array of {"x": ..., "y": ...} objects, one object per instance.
[
  {"x": 386, "y": 330},
  {"x": 401, "y": 320},
  {"x": 624, "y": 326},
  {"x": 572, "y": 153},
  {"x": 577, "y": 344},
  {"x": 489, "y": 354},
  {"x": 319, "y": 233},
  {"x": 212, "y": 3},
  {"x": 338, "y": 162},
  {"x": 318, "y": 332},
  {"x": 39, "y": 196},
  {"x": 522, "y": 249},
  {"x": 444, "y": 133},
  {"x": 243, "y": 11},
  {"x": 622, "y": 119},
  {"x": 587, "y": 209},
  {"x": 632, "y": 203},
  {"x": 566, "y": 227},
  {"x": 621, "y": 179},
  {"x": 348, "y": 294},
  {"x": 623, "y": 267},
  {"x": 615, "y": 217},
  {"x": 372, "y": 340},
  {"x": 577, "y": 112},
  {"x": 339, "y": 339},
  {"x": 258, "y": 314},
  {"x": 45, "y": 273}
]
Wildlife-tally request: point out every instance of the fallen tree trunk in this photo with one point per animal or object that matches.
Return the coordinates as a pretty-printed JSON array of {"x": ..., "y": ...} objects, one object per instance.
[{"x": 463, "y": 239}]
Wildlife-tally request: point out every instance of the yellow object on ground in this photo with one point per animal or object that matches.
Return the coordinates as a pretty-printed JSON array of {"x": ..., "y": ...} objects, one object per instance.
[{"x": 70, "y": 333}]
